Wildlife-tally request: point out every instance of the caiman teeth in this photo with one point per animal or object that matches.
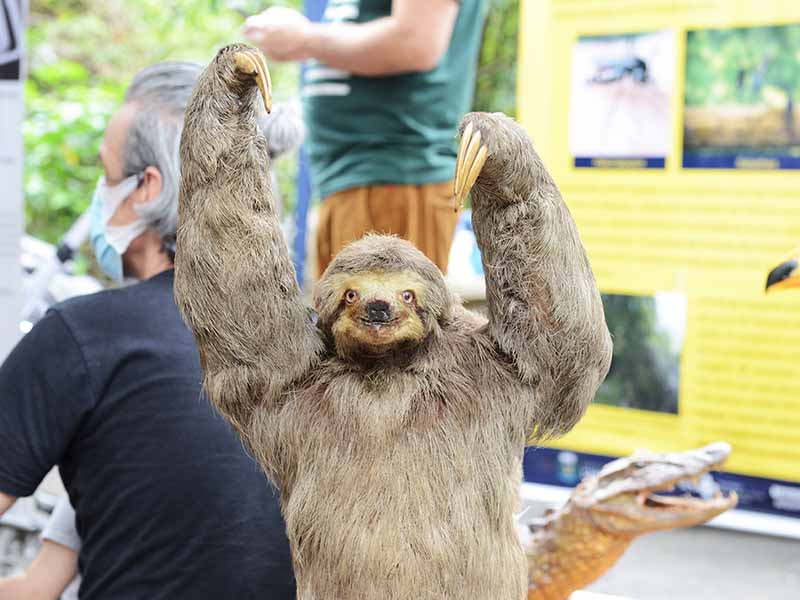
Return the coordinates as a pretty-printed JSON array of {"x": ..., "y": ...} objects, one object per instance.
[{"x": 687, "y": 501}]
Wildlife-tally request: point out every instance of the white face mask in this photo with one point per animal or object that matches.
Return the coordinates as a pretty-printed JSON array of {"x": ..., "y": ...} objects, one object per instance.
[{"x": 119, "y": 237}]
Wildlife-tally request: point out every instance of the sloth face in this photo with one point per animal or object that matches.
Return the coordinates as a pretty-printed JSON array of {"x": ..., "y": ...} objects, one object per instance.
[{"x": 379, "y": 312}]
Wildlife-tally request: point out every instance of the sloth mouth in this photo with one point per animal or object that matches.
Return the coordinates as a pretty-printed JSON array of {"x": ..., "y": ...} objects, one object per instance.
[{"x": 378, "y": 323}]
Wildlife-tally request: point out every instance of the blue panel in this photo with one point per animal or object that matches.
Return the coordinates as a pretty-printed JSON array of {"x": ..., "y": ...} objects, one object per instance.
[
  {"x": 301, "y": 214},
  {"x": 697, "y": 160},
  {"x": 620, "y": 162},
  {"x": 314, "y": 10}
]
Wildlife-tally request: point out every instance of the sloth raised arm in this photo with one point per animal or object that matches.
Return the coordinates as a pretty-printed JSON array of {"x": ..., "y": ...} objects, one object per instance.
[
  {"x": 545, "y": 312},
  {"x": 234, "y": 281}
]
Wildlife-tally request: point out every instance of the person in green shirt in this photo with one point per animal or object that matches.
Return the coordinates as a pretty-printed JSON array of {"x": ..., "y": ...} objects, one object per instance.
[{"x": 386, "y": 84}]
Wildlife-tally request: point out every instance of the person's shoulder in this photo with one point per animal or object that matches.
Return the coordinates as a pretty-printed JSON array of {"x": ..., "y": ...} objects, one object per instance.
[
  {"x": 89, "y": 304},
  {"x": 107, "y": 305}
]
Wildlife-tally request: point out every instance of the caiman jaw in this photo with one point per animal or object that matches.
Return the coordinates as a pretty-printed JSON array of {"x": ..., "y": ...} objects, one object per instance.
[
  {"x": 677, "y": 511},
  {"x": 252, "y": 63},
  {"x": 471, "y": 157},
  {"x": 624, "y": 498}
]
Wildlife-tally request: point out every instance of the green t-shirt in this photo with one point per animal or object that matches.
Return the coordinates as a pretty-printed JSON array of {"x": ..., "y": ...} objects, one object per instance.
[{"x": 399, "y": 129}]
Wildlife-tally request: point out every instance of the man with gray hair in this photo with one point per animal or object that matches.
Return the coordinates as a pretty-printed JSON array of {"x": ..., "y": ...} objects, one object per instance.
[{"x": 108, "y": 387}]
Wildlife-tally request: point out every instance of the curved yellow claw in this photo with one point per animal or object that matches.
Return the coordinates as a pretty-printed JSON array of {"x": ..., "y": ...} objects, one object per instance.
[
  {"x": 251, "y": 62},
  {"x": 471, "y": 158}
]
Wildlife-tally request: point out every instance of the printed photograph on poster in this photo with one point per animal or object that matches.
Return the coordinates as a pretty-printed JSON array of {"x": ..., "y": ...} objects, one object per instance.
[
  {"x": 619, "y": 114},
  {"x": 648, "y": 334},
  {"x": 742, "y": 90},
  {"x": 10, "y": 39}
]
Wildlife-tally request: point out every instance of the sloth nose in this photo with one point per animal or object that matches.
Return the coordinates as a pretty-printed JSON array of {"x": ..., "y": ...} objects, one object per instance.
[{"x": 379, "y": 311}]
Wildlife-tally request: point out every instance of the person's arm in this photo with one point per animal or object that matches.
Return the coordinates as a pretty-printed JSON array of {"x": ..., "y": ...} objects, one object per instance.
[
  {"x": 61, "y": 527},
  {"x": 45, "y": 395},
  {"x": 5, "y": 502},
  {"x": 47, "y": 576},
  {"x": 413, "y": 38}
]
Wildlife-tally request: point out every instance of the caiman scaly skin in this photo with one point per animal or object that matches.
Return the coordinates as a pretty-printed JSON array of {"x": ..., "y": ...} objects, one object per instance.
[
  {"x": 570, "y": 552},
  {"x": 607, "y": 511}
]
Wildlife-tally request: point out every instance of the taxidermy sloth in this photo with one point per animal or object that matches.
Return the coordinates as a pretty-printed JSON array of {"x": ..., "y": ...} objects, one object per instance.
[{"x": 392, "y": 419}]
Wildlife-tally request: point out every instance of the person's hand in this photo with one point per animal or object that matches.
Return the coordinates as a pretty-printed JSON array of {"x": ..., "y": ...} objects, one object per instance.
[{"x": 280, "y": 32}]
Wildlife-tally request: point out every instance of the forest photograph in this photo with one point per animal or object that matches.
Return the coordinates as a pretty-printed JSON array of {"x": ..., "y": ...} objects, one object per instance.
[
  {"x": 741, "y": 96},
  {"x": 648, "y": 334}
]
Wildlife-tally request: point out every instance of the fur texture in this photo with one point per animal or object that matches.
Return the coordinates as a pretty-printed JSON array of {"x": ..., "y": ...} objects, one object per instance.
[{"x": 398, "y": 472}]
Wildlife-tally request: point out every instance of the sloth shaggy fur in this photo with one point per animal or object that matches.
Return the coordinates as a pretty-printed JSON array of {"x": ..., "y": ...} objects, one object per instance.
[{"x": 398, "y": 469}]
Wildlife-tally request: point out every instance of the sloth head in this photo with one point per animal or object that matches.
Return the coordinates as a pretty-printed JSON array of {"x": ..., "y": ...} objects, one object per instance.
[{"x": 380, "y": 296}]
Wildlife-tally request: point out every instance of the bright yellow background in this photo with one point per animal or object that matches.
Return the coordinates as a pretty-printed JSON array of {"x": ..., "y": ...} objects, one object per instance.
[{"x": 712, "y": 234}]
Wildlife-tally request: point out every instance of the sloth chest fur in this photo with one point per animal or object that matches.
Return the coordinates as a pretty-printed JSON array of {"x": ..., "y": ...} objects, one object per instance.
[
  {"x": 403, "y": 430},
  {"x": 389, "y": 484}
]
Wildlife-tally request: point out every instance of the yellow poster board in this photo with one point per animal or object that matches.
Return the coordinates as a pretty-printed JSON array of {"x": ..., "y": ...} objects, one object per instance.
[{"x": 711, "y": 234}]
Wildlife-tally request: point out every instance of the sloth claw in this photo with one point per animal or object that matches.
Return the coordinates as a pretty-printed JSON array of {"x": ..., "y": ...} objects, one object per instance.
[
  {"x": 471, "y": 158},
  {"x": 252, "y": 63}
]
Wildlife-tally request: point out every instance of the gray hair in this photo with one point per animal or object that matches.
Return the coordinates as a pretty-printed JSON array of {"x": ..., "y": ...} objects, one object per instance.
[
  {"x": 284, "y": 131},
  {"x": 160, "y": 93},
  {"x": 283, "y": 128}
]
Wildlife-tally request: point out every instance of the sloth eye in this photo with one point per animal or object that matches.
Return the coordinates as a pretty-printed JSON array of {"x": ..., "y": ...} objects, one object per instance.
[
  {"x": 408, "y": 296},
  {"x": 350, "y": 296}
]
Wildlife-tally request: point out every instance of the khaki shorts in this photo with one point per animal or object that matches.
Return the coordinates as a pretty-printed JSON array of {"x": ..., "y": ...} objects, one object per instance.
[{"x": 422, "y": 214}]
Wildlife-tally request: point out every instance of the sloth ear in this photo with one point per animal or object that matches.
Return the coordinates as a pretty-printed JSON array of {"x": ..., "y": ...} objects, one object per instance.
[
  {"x": 324, "y": 302},
  {"x": 463, "y": 317},
  {"x": 451, "y": 307}
]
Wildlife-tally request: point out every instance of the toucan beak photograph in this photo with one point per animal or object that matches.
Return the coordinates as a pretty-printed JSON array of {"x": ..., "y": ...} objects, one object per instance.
[{"x": 786, "y": 274}]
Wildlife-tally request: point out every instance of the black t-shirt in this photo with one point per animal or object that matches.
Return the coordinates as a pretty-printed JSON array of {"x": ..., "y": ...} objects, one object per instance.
[{"x": 168, "y": 504}]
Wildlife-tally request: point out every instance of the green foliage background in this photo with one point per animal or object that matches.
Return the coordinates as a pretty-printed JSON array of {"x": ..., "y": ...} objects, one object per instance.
[
  {"x": 737, "y": 66},
  {"x": 83, "y": 53},
  {"x": 496, "y": 85}
]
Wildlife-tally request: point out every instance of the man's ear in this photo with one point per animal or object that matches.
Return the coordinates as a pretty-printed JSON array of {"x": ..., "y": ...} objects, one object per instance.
[{"x": 151, "y": 184}]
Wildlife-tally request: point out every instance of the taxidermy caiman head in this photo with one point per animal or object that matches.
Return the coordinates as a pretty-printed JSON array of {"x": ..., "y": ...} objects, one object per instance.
[
  {"x": 380, "y": 296},
  {"x": 623, "y": 497},
  {"x": 578, "y": 543},
  {"x": 786, "y": 274}
]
